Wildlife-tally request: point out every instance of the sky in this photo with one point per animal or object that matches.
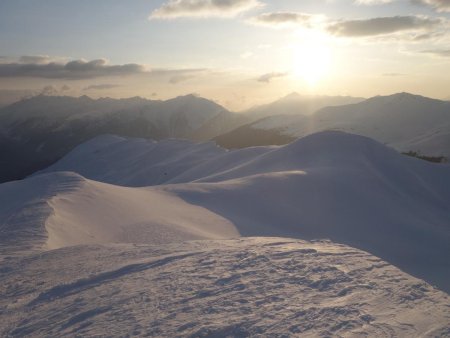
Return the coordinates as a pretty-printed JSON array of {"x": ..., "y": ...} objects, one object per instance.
[{"x": 239, "y": 53}]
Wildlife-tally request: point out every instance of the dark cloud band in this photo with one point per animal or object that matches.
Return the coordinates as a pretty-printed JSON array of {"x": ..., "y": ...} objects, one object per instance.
[{"x": 80, "y": 69}]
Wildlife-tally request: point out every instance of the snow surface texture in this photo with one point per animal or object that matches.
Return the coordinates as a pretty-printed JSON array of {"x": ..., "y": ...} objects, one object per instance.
[{"x": 238, "y": 288}]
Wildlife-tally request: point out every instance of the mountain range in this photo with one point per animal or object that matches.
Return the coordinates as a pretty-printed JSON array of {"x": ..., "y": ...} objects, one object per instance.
[
  {"x": 404, "y": 121},
  {"x": 38, "y": 131}
]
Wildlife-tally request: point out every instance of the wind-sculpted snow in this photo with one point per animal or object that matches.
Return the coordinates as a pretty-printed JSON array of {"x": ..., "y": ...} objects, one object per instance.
[
  {"x": 61, "y": 209},
  {"x": 274, "y": 287},
  {"x": 25, "y": 208},
  {"x": 333, "y": 185}
]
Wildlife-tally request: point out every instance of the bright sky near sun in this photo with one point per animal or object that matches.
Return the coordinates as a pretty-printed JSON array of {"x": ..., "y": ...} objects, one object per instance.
[{"x": 237, "y": 52}]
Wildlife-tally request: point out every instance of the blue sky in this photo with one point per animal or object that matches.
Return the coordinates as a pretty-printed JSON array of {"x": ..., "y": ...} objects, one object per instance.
[{"x": 334, "y": 47}]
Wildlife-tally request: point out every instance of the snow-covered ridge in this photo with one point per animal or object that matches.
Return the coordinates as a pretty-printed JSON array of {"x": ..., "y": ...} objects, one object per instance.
[
  {"x": 135, "y": 162},
  {"x": 334, "y": 185},
  {"x": 246, "y": 287},
  {"x": 62, "y": 209}
]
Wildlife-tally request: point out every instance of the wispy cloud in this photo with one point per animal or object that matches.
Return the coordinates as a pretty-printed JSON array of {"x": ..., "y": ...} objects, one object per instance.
[
  {"x": 266, "y": 78},
  {"x": 203, "y": 8},
  {"x": 246, "y": 55},
  {"x": 445, "y": 53},
  {"x": 176, "y": 76},
  {"x": 180, "y": 78},
  {"x": 38, "y": 59},
  {"x": 438, "y": 5},
  {"x": 393, "y": 74},
  {"x": 382, "y": 26},
  {"x": 102, "y": 86},
  {"x": 412, "y": 28},
  {"x": 286, "y": 19},
  {"x": 372, "y": 2}
]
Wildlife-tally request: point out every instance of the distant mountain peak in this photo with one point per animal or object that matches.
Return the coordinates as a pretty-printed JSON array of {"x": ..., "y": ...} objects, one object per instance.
[
  {"x": 292, "y": 96},
  {"x": 400, "y": 96},
  {"x": 187, "y": 96}
]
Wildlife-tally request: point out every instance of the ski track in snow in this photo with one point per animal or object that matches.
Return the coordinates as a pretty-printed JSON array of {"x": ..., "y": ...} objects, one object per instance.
[{"x": 246, "y": 287}]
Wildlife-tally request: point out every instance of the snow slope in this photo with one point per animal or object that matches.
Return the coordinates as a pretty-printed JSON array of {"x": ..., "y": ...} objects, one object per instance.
[
  {"x": 334, "y": 185},
  {"x": 247, "y": 287},
  {"x": 62, "y": 209},
  {"x": 134, "y": 162}
]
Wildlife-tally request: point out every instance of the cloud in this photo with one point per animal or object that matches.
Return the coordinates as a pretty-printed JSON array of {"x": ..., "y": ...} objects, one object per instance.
[
  {"x": 382, "y": 26},
  {"x": 445, "y": 53},
  {"x": 49, "y": 90},
  {"x": 372, "y": 2},
  {"x": 52, "y": 90},
  {"x": 37, "y": 59},
  {"x": 393, "y": 74},
  {"x": 246, "y": 55},
  {"x": 81, "y": 69},
  {"x": 438, "y": 5},
  {"x": 203, "y": 8},
  {"x": 176, "y": 76},
  {"x": 180, "y": 78},
  {"x": 270, "y": 76},
  {"x": 77, "y": 69},
  {"x": 286, "y": 19},
  {"x": 102, "y": 86}
]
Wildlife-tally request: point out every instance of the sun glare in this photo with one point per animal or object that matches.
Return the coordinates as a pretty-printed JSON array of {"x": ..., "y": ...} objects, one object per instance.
[{"x": 311, "y": 59}]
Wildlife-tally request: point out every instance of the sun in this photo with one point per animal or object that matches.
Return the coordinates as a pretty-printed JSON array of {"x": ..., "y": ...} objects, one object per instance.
[{"x": 311, "y": 59}]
